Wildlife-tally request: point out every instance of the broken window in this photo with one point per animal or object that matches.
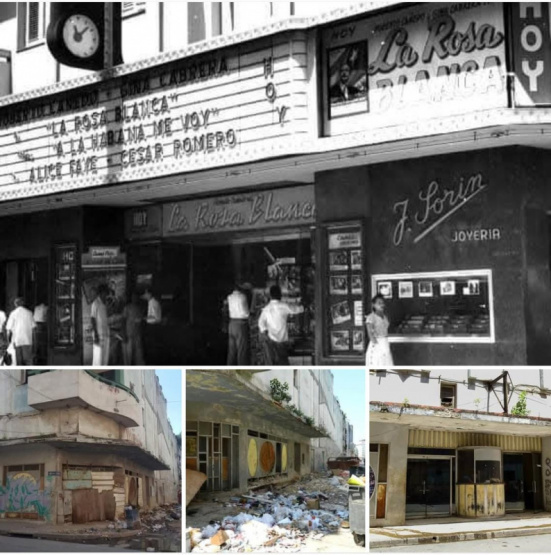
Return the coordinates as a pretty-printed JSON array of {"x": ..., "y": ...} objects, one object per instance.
[{"x": 448, "y": 395}]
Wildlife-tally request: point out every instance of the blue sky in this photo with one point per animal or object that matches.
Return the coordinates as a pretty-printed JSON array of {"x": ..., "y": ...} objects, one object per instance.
[
  {"x": 171, "y": 382},
  {"x": 349, "y": 387}
]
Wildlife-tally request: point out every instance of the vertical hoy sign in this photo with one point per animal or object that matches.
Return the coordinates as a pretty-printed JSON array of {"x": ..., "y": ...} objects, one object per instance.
[{"x": 531, "y": 52}]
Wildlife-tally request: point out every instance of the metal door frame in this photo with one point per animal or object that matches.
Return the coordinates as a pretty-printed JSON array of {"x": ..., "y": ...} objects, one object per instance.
[{"x": 435, "y": 457}]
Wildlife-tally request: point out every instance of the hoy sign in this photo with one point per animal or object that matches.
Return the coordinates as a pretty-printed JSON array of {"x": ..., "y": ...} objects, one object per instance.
[{"x": 531, "y": 52}]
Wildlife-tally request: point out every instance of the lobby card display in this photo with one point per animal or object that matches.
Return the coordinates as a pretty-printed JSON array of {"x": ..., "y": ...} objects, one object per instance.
[
  {"x": 438, "y": 307},
  {"x": 65, "y": 295},
  {"x": 345, "y": 291}
]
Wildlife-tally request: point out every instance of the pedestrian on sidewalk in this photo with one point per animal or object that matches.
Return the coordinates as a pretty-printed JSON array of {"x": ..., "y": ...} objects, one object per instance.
[
  {"x": 378, "y": 352},
  {"x": 152, "y": 332},
  {"x": 239, "y": 352},
  {"x": 100, "y": 326},
  {"x": 273, "y": 328},
  {"x": 132, "y": 332},
  {"x": 20, "y": 328}
]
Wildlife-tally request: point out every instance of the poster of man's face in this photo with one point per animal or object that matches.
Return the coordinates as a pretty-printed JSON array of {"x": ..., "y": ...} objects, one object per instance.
[{"x": 347, "y": 79}]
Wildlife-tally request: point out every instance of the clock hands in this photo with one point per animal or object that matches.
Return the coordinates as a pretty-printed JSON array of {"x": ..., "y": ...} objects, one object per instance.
[{"x": 77, "y": 35}]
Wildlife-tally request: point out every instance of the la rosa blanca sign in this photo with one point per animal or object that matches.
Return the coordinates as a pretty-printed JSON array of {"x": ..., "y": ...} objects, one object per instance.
[{"x": 257, "y": 210}]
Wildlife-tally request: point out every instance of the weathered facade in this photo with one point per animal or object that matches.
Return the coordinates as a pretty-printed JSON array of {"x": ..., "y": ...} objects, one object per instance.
[
  {"x": 473, "y": 443},
  {"x": 79, "y": 445},
  {"x": 237, "y": 434}
]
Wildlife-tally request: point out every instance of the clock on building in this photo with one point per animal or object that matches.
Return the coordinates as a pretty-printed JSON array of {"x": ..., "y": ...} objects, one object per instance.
[{"x": 81, "y": 36}]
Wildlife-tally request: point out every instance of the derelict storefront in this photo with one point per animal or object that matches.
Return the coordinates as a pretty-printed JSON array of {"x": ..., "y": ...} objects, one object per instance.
[
  {"x": 193, "y": 252},
  {"x": 458, "y": 243}
]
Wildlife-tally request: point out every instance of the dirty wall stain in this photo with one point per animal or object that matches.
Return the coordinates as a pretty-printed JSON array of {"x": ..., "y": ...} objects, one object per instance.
[{"x": 22, "y": 494}]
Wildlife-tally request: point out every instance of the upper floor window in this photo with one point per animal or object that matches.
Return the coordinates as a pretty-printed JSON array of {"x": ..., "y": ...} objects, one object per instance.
[
  {"x": 209, "y": 19},
  {"x": 132, "y": 8},
  {"x": 32, "y": 25}
]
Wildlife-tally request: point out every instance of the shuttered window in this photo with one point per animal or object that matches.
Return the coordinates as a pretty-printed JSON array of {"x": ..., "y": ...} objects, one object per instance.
[
  {"x": 132, "y": 8},
  {"x": 35, "y": 22}
]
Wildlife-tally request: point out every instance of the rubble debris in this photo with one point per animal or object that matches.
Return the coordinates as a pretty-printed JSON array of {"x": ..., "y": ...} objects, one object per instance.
[{"x": 277, "y": 520}]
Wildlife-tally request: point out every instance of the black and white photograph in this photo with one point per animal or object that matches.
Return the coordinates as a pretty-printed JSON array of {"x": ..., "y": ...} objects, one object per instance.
[
  {"x": 339, "y": 285},
  {"x": 199, "y": 183},
  {"x": 340, "y": 312},
  {"x": 425, "y": 289},
  {"x": 347, "y": 70},
  {"x": 340, "y": 340}
]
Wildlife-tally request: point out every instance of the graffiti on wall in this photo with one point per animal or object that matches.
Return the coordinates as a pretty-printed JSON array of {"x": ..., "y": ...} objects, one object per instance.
[
  {"x": 547, "y": 487},
  {"x": 22, "y": 494}
]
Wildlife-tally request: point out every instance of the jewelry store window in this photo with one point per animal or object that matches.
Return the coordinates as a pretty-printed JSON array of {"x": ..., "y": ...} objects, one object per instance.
[{"x": 438, "y": 307}]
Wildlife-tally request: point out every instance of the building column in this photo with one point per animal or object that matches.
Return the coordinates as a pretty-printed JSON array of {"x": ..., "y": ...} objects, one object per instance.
[{"x": 546, "y": 471}]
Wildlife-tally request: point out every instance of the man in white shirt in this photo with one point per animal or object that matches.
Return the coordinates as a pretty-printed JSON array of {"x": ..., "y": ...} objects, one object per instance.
[
  {"x": 100, "y": 327},
  {"x": 273, "y": 328},
  {"x": 153, "y": 320},
  {"x": 20, "y": 328},
  {"x": 238, "y": 330}
]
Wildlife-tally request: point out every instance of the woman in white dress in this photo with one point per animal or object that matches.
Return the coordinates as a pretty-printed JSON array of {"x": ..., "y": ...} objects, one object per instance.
[{"x": 378, "y": 353}]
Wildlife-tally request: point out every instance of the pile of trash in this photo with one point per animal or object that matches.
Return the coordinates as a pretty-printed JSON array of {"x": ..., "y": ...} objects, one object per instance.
[
  {"x": 162, "y": 518},
  {"x": 276, "y": 521}
]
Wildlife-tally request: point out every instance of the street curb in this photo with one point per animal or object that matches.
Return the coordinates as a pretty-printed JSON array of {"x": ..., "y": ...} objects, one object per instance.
[{"x": 463, "y": 536}]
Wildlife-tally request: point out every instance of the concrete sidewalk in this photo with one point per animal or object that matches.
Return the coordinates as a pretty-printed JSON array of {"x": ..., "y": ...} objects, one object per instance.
[{"x": 453, "y": 529}]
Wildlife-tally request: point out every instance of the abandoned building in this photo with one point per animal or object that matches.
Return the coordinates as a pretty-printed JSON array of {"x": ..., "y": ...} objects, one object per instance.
[
  {"x": 471, "y": 443},
  {"x": 80, "y": 445},
  {"x": 244, "y": 428}
]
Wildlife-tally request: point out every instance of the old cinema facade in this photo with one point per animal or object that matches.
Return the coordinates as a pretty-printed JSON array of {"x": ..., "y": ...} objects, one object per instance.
[{"x": 365, "y": 151}]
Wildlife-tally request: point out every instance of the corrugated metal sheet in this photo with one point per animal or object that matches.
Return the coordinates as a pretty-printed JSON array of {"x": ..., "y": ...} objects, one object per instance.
[{"x": 453, "y": 440}]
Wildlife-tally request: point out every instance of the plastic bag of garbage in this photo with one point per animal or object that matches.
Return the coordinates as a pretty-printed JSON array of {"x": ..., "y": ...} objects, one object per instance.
[
  {"x": 284, "y": 522},
  {"x": 268, "y": 519},
  {"x": 255, "y": 533},
  {"x": 210, "y": 530},
  {"x": 296, "y": 513},
  {"x": 241, "y": 518},
  {"x": 334, "y": 481}
]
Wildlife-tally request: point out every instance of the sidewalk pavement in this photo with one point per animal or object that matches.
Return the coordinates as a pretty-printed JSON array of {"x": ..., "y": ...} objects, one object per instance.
[
  {"x": 453, "y": 529},
  {"x": 90, "y": 532}
]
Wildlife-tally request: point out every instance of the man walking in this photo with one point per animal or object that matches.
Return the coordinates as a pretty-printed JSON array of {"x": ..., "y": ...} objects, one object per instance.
[
  {"x": 100, "y": 326},
  {"x": 152, "y": 336},
  {"x": 238, "y": 329},
  {"x": 132, "y": 330},
  {"x": 273, "y": 328},
  {"x": 20, "y": 328}
]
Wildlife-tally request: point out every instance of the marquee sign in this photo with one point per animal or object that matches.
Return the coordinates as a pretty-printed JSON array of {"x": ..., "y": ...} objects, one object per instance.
[
  {"x": 425, "y": 61},
  {"x": 223, "y": 107}
]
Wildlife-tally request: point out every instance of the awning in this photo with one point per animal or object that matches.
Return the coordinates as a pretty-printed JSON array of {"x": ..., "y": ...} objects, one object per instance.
[
  {"x": 440, "y": 418},
  {"x": 86, "y": 445},
  {"x": 228, "y": 388}
]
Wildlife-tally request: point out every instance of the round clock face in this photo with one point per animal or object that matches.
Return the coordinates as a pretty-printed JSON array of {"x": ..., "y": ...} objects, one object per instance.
[{"x": 81, "y": 36}]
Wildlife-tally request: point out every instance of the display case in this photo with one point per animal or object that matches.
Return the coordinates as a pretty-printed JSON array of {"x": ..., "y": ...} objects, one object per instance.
[
  {"x": 65, "y": 269},
  {"x": 344, "y": 290},
  {"x": 438, "y": 307}
]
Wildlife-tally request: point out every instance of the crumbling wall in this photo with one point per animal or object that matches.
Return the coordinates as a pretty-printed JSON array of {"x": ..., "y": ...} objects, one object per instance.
[{"x": 29, "y": 492}]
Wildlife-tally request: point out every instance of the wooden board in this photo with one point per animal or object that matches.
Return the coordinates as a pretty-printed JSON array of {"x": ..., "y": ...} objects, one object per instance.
[
  {"x": 194, "y": 481},
  {"x": 86, "y": 506}
]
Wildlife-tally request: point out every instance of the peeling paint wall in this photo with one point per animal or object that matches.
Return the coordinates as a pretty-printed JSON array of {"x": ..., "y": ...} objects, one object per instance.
[{"x": 397, "y": 438}]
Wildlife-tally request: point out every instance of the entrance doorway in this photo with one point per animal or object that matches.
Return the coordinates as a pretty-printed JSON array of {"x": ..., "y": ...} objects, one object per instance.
[
  {"x": 429, "y": 487},
  {"x": 523, "y": 481}
]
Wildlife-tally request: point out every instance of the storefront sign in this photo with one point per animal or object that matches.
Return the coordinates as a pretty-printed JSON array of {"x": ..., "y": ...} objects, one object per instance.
[
  {"x": 345, "y": 240},
  {"x": 433, "y": 206},
  {"x": 104, "y": 252},
  {"x": 531, "y": 39},
  {"x": 142, "y": 223},
  {"x": 447, "y": 58},
  {"x": 245, "y": 211},
  {"x": 54, "y": 473},
  {"x": 466, "y": 235},
  {"x": 183, "y": 116}
]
